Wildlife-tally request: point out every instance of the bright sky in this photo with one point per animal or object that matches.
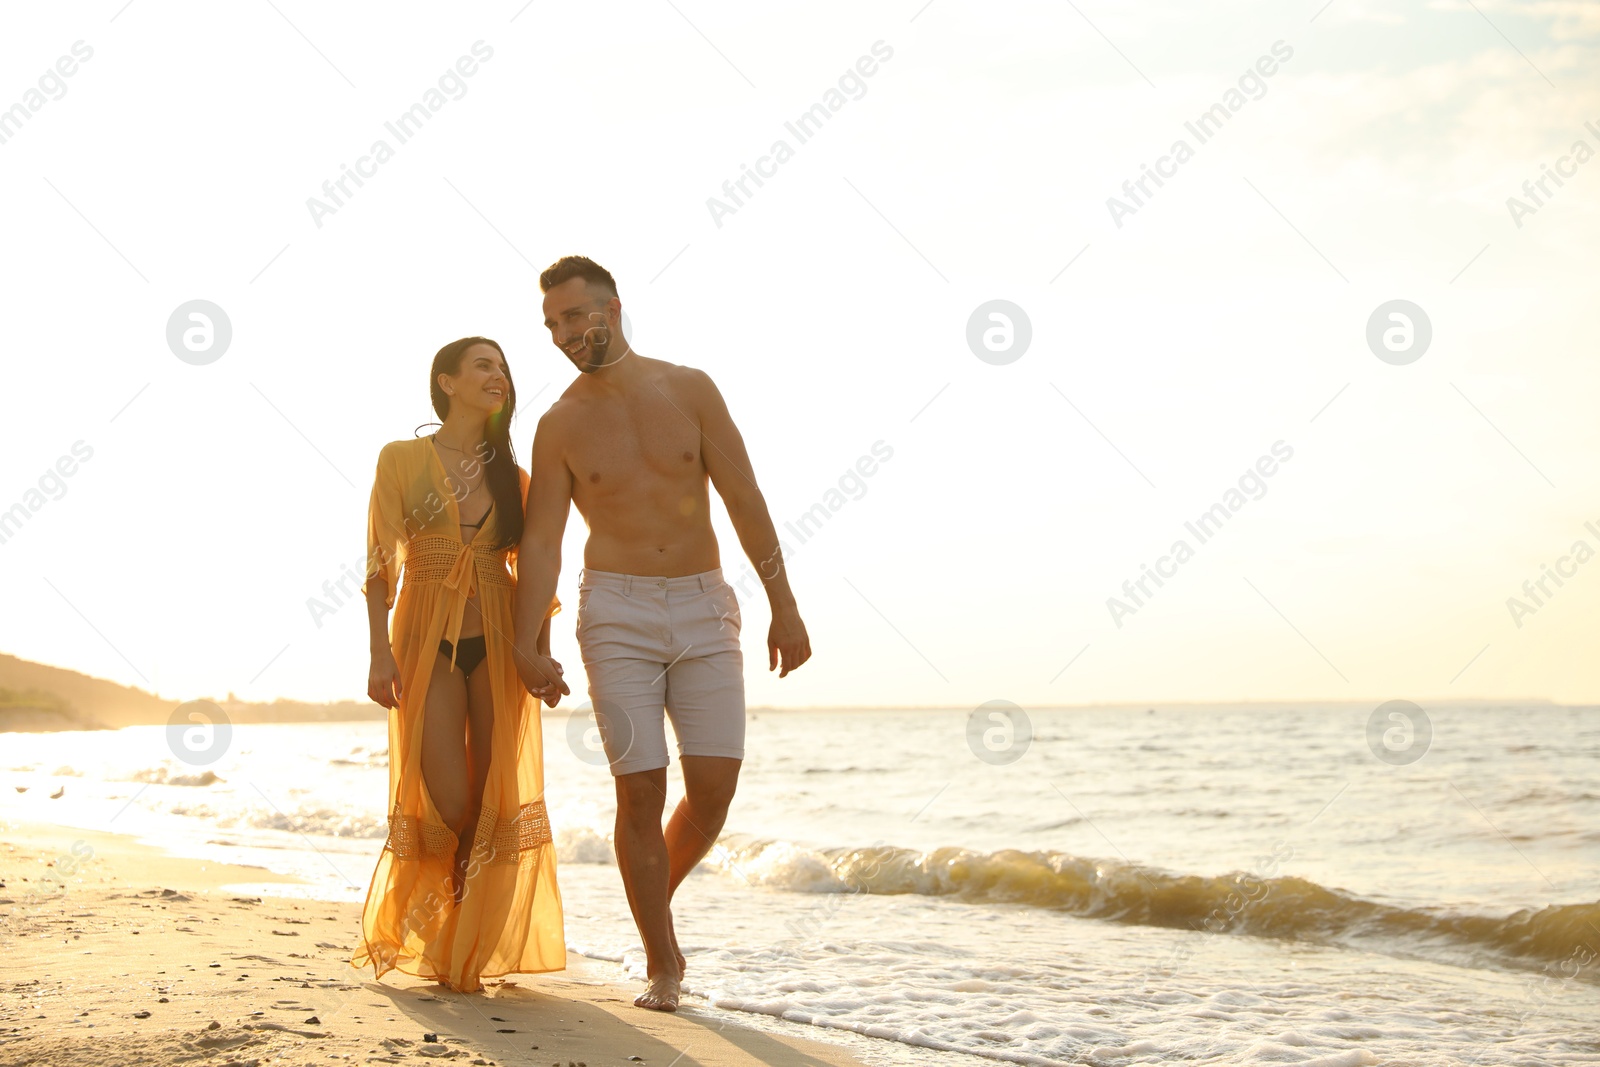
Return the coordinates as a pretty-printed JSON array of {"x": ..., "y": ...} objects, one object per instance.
[{"x": 1171, "y": 348}]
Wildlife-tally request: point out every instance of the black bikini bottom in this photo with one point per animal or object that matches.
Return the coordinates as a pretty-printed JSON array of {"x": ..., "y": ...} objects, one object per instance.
[{"x": 468, "y": 655}]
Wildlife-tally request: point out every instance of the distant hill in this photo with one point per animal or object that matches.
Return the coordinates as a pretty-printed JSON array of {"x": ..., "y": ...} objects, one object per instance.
[{"x": 36, "y": 697}]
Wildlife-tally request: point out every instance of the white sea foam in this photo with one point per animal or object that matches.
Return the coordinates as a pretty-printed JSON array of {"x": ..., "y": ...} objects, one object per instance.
[
  {"x": 164, "y": 776},
  {"x": 584, "y": 844}
]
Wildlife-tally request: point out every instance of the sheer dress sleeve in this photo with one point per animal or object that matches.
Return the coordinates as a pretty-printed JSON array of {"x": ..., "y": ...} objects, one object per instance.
[{"x": 386, "y": 533}]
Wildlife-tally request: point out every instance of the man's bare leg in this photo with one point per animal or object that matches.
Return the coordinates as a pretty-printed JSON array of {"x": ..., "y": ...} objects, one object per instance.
[
  {"x": 709, "y": 783},
  {"x": 642, "y": 859}
]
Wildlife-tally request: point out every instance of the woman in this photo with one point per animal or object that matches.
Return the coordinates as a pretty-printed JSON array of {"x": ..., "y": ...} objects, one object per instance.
[{"x": 466, "y": 885}]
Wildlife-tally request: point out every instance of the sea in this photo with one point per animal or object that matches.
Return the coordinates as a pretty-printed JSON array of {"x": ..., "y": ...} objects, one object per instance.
[{"x": 1322, "y": 886}]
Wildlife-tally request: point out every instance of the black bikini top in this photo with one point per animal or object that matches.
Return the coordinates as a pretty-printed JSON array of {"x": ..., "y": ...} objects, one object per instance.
[{"x": 480, "y": 522}]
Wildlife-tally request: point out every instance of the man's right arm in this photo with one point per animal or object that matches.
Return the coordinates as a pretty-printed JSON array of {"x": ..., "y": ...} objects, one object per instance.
[{"x": 539, "y": 552}]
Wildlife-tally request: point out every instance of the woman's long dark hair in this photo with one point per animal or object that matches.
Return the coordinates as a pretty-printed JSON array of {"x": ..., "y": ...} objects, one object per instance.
[{"x": 500, "y": 467}]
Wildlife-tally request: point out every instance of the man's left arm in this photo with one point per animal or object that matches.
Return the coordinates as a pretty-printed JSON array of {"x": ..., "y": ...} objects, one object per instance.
[{"x": 728, "y": 464}]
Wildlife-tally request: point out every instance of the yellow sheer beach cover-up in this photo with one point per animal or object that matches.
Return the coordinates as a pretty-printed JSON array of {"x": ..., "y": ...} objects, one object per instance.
[{"x": 509, "y": 918}]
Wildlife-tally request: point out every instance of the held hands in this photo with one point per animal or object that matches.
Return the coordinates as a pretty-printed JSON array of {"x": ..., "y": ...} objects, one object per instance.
[
  {"x": 541, "y": 676},
  {"x": 787, "y": 639},
  {"x": 549, "y": 693},
  {"x": 383, "y": 679}
]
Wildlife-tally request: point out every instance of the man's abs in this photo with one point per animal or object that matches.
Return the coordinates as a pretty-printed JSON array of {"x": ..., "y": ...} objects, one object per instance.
[
  {"x": 662, "y": 529},
  {"x": 663, "y": 560}
]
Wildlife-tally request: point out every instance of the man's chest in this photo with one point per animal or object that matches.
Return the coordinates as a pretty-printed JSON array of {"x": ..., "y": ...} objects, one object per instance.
[{"x": 628, "y": 441}]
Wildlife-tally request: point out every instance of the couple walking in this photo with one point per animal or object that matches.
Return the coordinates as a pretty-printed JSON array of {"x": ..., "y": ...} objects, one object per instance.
[{"x": 465, "y": 887}]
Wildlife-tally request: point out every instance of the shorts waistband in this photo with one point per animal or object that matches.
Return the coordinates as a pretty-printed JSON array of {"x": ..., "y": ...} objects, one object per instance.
[{"x": 631, "y": 583}]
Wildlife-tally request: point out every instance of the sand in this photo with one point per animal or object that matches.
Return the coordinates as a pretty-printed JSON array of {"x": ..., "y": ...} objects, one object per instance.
[{"x": 133, "y": 958}]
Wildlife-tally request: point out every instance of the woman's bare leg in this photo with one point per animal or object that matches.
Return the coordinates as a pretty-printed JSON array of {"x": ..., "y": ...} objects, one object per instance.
[
  {"x": 480, "y": 747},
  {"x": 444, "y": 750}
]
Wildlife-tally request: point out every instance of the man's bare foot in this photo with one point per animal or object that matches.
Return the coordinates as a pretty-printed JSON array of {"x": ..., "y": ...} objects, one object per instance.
[{"x": 660, "y": 995}]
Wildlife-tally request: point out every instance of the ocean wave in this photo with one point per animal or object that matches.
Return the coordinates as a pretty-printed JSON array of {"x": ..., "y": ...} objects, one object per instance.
[
  {"x": 582, "y": 844},
  {"x": 1287, "y": 908},
  {"x": 321, "y": 821},
  {"x": 162, "y": 776},
  {"x": 1547, "y": 795},
  {"x": 361, "y": 756}
]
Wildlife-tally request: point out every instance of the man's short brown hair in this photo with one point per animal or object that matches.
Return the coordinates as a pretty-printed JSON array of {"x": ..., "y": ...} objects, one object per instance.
[{"x": 568, "y": 267}]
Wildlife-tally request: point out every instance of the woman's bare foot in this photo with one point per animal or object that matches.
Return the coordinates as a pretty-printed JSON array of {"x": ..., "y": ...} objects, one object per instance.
[
  {"x": 661, "y": 994},
  {"x": 477, "y": 986}
]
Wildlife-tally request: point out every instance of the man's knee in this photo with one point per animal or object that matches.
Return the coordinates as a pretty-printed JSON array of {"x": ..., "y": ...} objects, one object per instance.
[
  {"x": 709, "y": 782},
  {"x": 641, "y": 796}
]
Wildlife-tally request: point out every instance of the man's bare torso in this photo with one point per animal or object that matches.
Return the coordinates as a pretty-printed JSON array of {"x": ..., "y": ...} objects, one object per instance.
[{"x": 638, "y": 477}]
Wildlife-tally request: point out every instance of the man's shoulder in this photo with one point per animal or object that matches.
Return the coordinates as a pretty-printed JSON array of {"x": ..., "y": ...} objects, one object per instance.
[
  {"x": 553, "y": 415},
  {"x": 682, "y": 376},
  {"x": 570, "y": 399},
  {"x": 559, "y": 416}
]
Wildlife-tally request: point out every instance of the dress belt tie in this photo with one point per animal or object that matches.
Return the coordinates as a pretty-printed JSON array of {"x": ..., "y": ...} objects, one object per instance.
[{"x": 463, "y": 579}]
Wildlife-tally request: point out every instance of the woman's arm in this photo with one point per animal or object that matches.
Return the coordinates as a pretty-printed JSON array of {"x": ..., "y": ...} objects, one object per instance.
[
  {"x": 385, "y": 535},
  {"x": 383, "y": 678}
]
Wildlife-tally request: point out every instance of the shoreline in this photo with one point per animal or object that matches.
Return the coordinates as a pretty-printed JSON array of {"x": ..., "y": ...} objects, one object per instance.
[
  {"x": 68, "y": 719},
  {"x": 163, "y": 962}
]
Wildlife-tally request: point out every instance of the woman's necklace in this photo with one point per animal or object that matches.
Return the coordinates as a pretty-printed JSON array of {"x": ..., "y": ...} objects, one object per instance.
[
  {"x": 472, "y": 486},
  {"x": 451, "y": 447}
]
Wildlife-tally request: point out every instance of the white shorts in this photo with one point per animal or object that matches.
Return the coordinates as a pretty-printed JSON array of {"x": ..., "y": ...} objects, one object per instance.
[{"x": 662, "y": 644}]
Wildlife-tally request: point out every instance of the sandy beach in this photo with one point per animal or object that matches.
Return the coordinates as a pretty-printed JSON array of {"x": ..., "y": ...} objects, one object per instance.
[{"x": 139, "y": 958}]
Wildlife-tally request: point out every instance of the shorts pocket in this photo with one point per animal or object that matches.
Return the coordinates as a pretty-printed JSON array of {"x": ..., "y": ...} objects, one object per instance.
[
  {"x": 585, "y": 606},
  {"x": 726, "y": 603}
]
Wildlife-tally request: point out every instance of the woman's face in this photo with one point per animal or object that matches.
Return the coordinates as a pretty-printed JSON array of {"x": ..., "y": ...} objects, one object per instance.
[{"x": 482, "y": 384}]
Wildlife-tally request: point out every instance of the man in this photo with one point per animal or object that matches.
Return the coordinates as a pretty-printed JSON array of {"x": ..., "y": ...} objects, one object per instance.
[{"x": 633, "y": 442}]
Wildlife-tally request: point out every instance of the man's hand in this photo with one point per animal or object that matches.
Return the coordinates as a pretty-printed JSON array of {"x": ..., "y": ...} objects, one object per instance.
[
  {"x": 550, "y": 694},
  {"x": 787, "y": 639},
  {"x": 541, "y": 676}
]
